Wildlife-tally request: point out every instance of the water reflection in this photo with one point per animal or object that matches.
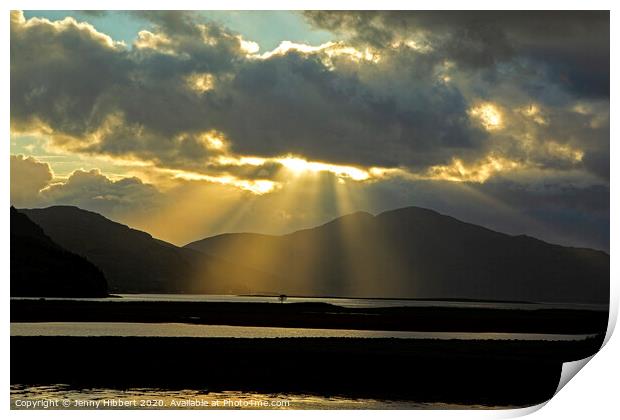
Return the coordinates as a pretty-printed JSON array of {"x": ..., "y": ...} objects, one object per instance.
[
  {"x": 145, "y": 398},
  {"x": 134, "y": 329}
]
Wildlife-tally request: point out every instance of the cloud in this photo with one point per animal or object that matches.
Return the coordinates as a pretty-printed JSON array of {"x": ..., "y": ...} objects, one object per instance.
[
  {"x": 547, "y": 205},
  {"x": 132, "y": 103},
  {"x": 28, "y": 177},
  {"x": 51, "y": 88},
  {"x": 172, "y": 21},
  {"x": 572, "y": 214},
  {"x": 33, "y": 184},
  {"x": 571, "y": 47},
  {"x": 498, "y": 117},
  {"x": 406, "y": 100},
  {"x": 294, "y": 103},
  {"x": 94, "y": 191}
]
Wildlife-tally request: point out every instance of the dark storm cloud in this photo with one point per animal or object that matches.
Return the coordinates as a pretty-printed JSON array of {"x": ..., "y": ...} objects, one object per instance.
[
  {"x": 100, "y": 97},
  {"x": 293, "y": 103},
  {"x": 97, "y": 96},
  {"x": 135, "y": 101},
  {"x": 571, "y": 46},
  {"x": 48, "y": 83}
]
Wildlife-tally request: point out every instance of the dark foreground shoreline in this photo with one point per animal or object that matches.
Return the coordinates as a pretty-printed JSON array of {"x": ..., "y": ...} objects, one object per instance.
[
  {"x": 316, "y": 315},
  {"x": 504, "y": 373},
  {"x": 472, "y": 372}
]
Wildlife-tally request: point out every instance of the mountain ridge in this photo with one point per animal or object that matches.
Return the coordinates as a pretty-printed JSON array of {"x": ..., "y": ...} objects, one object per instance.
[
  {"x": 410, "y": 252},
  {"x": 42, "y": 268},
  {"x": 518, "y": 235},
  {"x": 424, "y": 247},
  {"x": 134, "y": 261}
]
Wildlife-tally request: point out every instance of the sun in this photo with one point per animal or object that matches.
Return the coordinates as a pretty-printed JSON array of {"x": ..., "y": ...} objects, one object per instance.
[
  {"x": 296, "y": 165},
  {"x": 299, "y": 166}
]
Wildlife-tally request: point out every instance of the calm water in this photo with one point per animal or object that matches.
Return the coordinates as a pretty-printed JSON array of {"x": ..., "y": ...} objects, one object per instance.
[
  {"x": 135, "y": 329},
  {"x": 64, "y": 397},
  {"x": 345, "y": 302}
]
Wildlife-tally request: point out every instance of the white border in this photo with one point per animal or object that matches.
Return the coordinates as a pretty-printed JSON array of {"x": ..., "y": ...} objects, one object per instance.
[{"x": 592, "y": 394}]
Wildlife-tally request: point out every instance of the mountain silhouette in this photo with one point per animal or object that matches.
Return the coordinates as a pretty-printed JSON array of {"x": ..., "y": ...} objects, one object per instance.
[
  {"x": 418, "y": 253},
  {"x": 405, "y": 253},
  {"x": 40, "y": 267},
  {"x": 135, "y": 262}
]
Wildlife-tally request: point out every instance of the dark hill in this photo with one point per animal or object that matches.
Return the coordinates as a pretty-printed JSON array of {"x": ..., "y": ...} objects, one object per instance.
[
  {"x": 418, "y": 253},
  {"x": 40, "y": 267},
  {"x": 135, "y": 262}
]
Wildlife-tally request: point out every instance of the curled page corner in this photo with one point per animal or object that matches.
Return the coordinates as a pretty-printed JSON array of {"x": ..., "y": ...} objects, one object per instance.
[
  {"x": 570, "y": 369},
  {"x": 611, "y": 323},
  {"x": 518, "y": 412}
]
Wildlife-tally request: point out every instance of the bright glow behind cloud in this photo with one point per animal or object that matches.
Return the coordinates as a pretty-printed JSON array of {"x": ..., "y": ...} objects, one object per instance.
[{"x": 489, "y": 115}]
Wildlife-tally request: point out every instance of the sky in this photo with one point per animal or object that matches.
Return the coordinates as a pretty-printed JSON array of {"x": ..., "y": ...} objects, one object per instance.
[{"x": 192, "y": 124}]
